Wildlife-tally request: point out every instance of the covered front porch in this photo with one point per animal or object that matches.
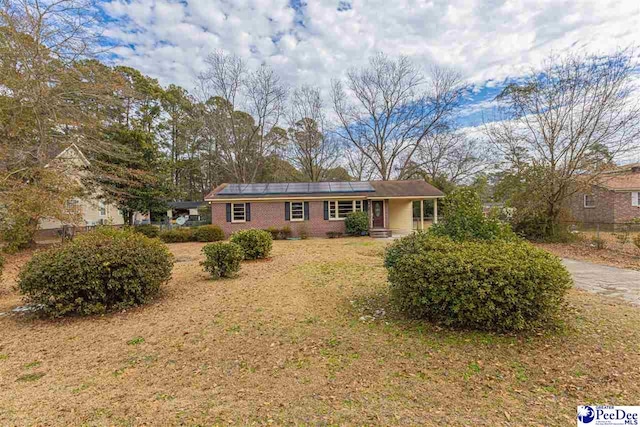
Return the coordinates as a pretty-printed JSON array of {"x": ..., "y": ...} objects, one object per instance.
[{"x": 399, "y": 216}]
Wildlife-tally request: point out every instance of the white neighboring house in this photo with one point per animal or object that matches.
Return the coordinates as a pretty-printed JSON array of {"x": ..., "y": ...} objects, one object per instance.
[{"x": 92, "y": 208}]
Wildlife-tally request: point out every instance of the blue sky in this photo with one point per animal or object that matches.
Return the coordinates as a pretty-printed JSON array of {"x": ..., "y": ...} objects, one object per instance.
[{"x": 313, "y": 41}]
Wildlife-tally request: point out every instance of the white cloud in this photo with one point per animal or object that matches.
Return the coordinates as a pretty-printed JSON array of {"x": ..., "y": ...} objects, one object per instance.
[{"x": 487, "y": 41}]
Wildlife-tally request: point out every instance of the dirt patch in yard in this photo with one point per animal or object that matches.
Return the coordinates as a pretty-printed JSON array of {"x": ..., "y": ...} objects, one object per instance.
[
  {"x": 307, "y": 338},
  {"x": 615, "y": 253}
]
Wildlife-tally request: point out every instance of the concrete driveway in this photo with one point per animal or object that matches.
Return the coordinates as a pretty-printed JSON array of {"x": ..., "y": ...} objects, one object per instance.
[{"x": 605, "y": 280}]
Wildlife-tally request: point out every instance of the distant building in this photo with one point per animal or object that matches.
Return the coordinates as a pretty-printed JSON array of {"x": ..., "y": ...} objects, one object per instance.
[
  {"x": 612, "y": 200},
  {"x": 92, "y": 209}
]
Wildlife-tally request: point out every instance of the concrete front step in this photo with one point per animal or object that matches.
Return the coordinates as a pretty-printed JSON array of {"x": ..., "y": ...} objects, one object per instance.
[{"x": 380, "y": 232}]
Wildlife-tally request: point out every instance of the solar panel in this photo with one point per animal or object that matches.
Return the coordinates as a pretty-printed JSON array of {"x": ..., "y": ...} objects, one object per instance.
[
  {"x": 276, "y": 188},
  {"x": 254, "y": 188},
  {"x": 296, "y": 188},
  {"x": 231, "y": 189},
  {"x": 301, "y": 187},
  {"x": 361, "y": 186},
  {"x": 340, "y": 187},
  {"x": 319, "y": 187}
]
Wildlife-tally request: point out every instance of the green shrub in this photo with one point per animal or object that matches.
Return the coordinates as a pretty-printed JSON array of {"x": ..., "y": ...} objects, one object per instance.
[
  {"x": 412, "y": 244},
  {"x": 222, "y": 259},
  {"x": 148, "y": 230},
  {"x": 109, "y": 231},
  {"x": 356, "y": 223},
  {"x": 18, "y": 234},
  {"x": 254, "y": 243},
  {"x": 541, "y": 229},
  {"x": 96, "y": 273},
  {"x": 209, "y": 233},
  {"x": 499, "y": 285},
  {"x": 463, "y": 219},
  {"x": 177, "y": 235},
  {"x": 275, "y": 232}
]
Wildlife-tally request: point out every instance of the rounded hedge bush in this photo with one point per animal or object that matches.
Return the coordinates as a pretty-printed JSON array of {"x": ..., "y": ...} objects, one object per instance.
[
  {"x": 209, "y": 233},
  {"x": 222, "y": 259},
  {"x": 357, "y": 223},
  {"x": 177, "y": 235},
  {"x": 148, "y": 230},
  {"x": 498, "y": 285},
  {"x": 96, "y": 273},
  {"x": 254, "y": 243},
  {"x": 463, "y": 219}
]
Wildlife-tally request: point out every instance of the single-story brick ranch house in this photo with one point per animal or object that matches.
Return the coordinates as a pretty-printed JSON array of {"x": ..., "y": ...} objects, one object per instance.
[
  {"x": 321, "y": 207},
  {"x": 614, "y": 199}
]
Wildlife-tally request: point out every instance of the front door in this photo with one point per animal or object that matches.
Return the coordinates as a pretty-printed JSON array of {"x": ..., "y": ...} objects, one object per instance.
[{"x": 377, "y": 207}]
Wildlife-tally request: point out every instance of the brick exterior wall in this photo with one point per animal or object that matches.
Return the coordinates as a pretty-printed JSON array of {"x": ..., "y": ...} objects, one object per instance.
[
  {"x": 601, "y": 213},
  {"x": 623, "y": 211},
  {"x": 271, "y": 214},
  {"x": 610, "y": 207}
]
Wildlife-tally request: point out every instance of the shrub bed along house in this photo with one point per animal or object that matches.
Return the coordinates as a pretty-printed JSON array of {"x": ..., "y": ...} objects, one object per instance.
[
  {"x": 357, "y": 223},
  {"x": 222, "y": 259},
  {"x": 178, "y": 235},
  {"x": 255, "y": 243},
  {"x": 497, "y": 285},
  {"x": 148, "y": 230},
  {"x": 97, "y": 272},
  {"x": 209, "y": 233},
  {"x": 279, "y": 233}
]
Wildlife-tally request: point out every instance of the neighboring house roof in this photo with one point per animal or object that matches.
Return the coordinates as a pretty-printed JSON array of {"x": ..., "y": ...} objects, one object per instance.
[
  {"x": 186, "y": 204},
  {"x": 623, "y": 178},
  {"x": 358, "y": 189},
  {"x": 629, "y": 182},
  {"x": 71, "y": 153}
]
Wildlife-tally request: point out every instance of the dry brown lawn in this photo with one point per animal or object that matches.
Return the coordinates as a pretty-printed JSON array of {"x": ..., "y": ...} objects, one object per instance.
[{"x": 302, "y": 339}]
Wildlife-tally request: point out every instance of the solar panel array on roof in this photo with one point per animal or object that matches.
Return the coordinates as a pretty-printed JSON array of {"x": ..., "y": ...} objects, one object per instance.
[{"x": 296, "y": 188}]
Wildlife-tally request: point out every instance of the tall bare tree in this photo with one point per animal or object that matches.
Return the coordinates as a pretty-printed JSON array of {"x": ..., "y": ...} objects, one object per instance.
[
  {"x": 53, "y": 93},
  {"x": 312, "y": 149},
  {"x": 248, "y": 106},
  {"x": 449, "y": 155},
  {"x": 359, "y": 165},
  {"x": 389, "y": 108},
  {"x": 565, "y": 119}
]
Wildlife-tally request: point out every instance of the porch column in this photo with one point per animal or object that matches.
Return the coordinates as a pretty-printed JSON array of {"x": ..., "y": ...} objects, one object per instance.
[
  {"x": 435, "y": 211},
  {"x": 421, "y": 214}
]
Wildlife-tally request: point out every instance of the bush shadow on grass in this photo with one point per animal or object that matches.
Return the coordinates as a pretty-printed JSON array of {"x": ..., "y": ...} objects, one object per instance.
[{"x": 377, "y": 310}]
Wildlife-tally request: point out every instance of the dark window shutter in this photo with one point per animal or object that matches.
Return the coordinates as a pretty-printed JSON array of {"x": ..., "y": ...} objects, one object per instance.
[
  {"x": 247, "y": 207},
  {"x": 228, "y": 212},
  {"x": 326, "y": 210},
  {"x": 287, "y": 215},
  {"x": 365, "y": 205},
  {"x": 306, "y": 211}
]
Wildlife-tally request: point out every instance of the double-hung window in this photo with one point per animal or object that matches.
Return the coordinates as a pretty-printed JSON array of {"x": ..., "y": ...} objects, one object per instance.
[
  {"x": 589, "y": 201},
  {"x": 238, "y": 212},
  {"x": 296, "y": 211},
  {"x": 102, "y": 208},
  {"x": 339, "y": 209}
]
